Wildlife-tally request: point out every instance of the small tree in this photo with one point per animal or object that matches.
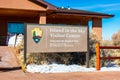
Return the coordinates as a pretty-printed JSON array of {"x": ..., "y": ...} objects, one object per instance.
[
  {"x": 116, "y": 38},
  {"x": 116, "y": 42},
  {"x": 92, "y": 43},
  {"x": 93, "y": 40}
]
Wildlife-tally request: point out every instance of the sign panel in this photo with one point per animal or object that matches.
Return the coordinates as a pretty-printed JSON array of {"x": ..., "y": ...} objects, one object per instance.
[
  {"x": 15, "y": 27},
  {"x": 56, "y": 38}
]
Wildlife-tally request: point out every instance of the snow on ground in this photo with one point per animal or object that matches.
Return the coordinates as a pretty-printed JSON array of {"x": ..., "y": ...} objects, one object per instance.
[
  {"x": 59, "y": 68},
  {"x": 15, "y": 40},
  {"x": 11, "y": 41}
]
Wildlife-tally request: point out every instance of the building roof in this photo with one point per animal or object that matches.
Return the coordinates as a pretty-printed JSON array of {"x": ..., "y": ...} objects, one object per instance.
[
  {"x": 45, "y": 4},
  {"x": 64, "y": 11},
  {"x": 81, "y": 12}
]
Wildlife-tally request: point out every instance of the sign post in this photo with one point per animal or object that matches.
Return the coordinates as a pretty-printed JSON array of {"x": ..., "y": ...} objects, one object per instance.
[{"x": 87, "y": 54}]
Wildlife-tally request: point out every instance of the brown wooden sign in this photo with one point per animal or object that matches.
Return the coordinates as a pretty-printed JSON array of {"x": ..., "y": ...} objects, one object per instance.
[{"x": 56, "y": 38}]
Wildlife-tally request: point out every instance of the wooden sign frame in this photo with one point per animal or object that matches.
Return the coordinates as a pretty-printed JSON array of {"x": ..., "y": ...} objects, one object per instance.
[{"x": 77, "y": 30}]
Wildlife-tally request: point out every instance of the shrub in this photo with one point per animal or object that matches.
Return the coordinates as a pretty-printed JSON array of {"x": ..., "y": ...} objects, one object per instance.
[
  {"x": 116, "y": 42},
  {"x": 116, "y": 38},
  {"x": 93, "y": 41},
  {"x": 92, "y": 61},
  {"x": 48, "y": 58},
  {"x": 92, "y": 44},
  {"x": 20, "y": 47},
  {"x": 116, "y": 54}
]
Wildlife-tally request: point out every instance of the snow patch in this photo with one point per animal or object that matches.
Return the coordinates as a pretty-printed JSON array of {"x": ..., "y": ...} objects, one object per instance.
[
  {"x": 60, "y": 68},
  {"x": 15, "y": 40}
]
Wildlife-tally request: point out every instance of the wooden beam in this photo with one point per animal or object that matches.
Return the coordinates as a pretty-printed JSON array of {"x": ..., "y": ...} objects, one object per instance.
[
  {"x": 109, "y": 47},
  {"x": 104, "y": 58}
]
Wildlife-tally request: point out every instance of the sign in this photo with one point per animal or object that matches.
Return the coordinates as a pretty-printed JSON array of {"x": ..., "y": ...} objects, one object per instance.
[
  {"x": 56, "y": 38},
  {"x": 37, "y": 34},
  {"x": 15, "y": 27}
]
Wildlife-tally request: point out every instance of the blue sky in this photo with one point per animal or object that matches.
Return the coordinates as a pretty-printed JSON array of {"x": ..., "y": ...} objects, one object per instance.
[{"x": 110, "y": 25}]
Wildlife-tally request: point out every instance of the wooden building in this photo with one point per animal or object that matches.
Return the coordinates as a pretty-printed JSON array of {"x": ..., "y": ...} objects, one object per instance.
[{"x": 42, "y": 12}]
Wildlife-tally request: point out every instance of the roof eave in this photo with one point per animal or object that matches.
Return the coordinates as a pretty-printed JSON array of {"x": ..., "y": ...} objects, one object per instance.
[
  {"x": 86, "y": 14},
  {"x": 46, "y": 4},
  {"x": 39, "y": 3},
  {"x": 54, "y": 10}
]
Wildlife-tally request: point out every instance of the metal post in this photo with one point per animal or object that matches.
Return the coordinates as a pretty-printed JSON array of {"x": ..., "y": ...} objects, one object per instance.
[
  {"x": 97, "y": 56},
  {"x": 25, "y": 51},
  {"x": 87, "y": 54},
  {"x": 25, "y": 35}
]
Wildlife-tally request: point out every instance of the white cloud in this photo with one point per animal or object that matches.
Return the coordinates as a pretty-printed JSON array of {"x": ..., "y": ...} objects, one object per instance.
[{"x": 111, "y": 9}]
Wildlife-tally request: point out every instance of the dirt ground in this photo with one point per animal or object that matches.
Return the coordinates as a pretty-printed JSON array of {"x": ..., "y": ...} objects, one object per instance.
[
  {"x": 9, "y": 70},
  {"x": 19, "y": 75}
]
